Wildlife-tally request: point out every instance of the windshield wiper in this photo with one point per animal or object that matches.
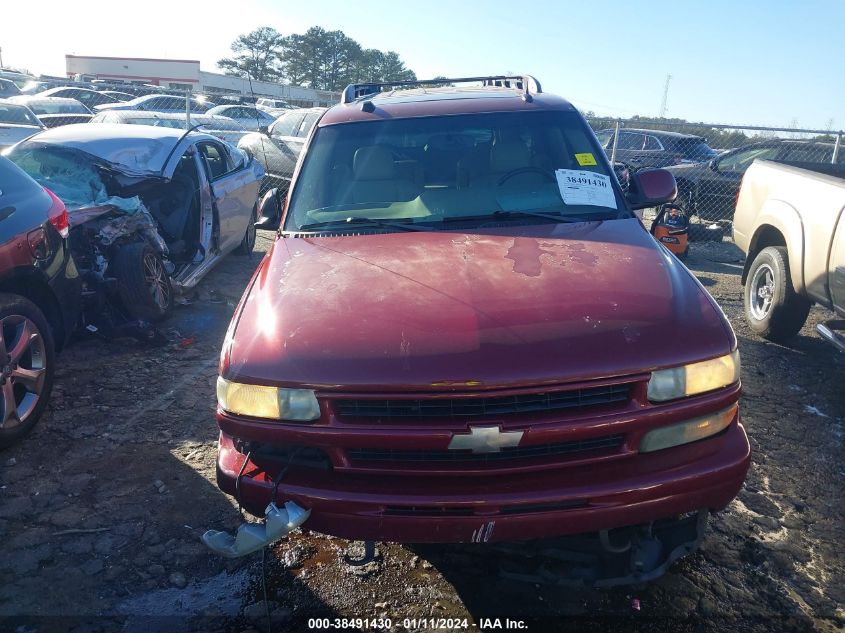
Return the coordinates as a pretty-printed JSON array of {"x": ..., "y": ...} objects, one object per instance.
[
  {"x": 362, "y": 223},
  {"x": 497, "y": 215}
]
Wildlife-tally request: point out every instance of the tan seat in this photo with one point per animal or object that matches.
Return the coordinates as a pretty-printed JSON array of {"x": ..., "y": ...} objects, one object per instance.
[{"x": 375, "y": 177}]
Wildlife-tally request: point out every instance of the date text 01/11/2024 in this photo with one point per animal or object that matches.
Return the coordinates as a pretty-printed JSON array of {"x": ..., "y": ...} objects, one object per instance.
[{"x": 416, "y": 624}]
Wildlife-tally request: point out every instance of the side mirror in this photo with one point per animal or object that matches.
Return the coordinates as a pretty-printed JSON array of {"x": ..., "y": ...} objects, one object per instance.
[
  {"x": 714, "y": 164},
  {"x": 651, "y": 187}
]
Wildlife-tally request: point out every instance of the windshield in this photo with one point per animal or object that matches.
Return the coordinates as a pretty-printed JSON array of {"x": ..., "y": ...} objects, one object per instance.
[
  {"x": 63, "y": 106},
  {"x": 16, "y": 114},
  {"x": 435, "y": 170},
  {"x": 698, "y": 150}
]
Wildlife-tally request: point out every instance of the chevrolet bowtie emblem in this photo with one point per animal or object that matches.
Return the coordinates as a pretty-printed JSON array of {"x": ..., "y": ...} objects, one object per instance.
[{"x": 485, "y": 439}]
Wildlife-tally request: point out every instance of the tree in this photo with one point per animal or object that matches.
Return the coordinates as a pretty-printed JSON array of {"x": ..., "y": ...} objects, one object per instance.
[
  {"x": 256, "y": 54},
  {"x": 330, "y": 60},
  {"x": 392, "y": 68}
]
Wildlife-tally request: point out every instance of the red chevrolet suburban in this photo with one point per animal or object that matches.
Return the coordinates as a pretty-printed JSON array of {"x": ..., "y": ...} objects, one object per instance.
[{"x": 462, "y": 333}]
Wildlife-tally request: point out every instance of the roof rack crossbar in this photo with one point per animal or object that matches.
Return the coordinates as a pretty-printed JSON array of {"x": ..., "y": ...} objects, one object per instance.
[{"x": 526, "y": 83}]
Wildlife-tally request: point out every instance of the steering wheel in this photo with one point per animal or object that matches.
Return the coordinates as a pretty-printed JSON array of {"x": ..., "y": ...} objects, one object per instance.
[{"x": 527, "y": 170}]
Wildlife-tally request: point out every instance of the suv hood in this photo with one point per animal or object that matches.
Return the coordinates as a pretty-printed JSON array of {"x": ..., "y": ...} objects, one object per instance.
[{"x": 520, "y": 305}]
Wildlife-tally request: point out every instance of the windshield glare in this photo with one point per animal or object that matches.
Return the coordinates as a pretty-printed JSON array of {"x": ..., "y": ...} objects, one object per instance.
[
  {"x": 16, "y": 114},
  {"x": 437, "y": 169},
  {"x": 58, "y": 107}
]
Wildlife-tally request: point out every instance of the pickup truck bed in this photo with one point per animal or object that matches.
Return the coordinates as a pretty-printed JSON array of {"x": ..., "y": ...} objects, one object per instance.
[{"x": 789, "y": 221}]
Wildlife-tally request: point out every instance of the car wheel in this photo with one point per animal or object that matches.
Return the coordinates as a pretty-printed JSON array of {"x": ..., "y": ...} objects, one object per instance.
[
  {"x": 248, "y": 242},
  {"x": 772, "y": 307},
  {"x": 27, "y": 363},
  {"x": 143, "y": 283}
]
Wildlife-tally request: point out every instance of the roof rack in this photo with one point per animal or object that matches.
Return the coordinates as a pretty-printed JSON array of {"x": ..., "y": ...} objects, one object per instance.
[{"x": 526, "y": 83}]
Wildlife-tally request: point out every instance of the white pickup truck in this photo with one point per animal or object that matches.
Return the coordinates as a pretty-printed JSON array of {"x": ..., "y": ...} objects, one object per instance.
[{"x": 790, "y": 222}]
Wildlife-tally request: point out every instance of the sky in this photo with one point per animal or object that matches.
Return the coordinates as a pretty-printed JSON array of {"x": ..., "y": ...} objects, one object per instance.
[{"x": 756, "y": 62}]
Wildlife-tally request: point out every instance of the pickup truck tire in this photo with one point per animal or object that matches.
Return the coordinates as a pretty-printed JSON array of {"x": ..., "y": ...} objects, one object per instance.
[
  {"x": 26, "y": 367},
  {"x": 772, "y": 307},
  {"x": 143, "y": 283}
]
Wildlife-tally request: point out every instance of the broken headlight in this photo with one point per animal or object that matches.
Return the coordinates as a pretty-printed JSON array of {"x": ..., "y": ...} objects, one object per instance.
[
  {"x": 274, "y": 403},
  {"x": 690, "y": 380}
]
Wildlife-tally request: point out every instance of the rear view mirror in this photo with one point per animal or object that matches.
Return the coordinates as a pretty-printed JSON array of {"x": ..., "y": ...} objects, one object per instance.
[{"x": 651, "y": 187}]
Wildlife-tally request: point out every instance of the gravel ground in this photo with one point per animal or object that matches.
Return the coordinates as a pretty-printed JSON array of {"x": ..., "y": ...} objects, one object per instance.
[{"x": 101, "y": 508}]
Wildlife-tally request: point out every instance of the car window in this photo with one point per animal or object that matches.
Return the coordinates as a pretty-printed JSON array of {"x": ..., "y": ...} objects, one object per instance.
[
  {"x": 809, "y": 153},
  {"x": 16, "y": 181},
  {"x": 630, "y": 140},
  {"x": 287, "y": 124},
  {"x": 216, "y": 159},
  {"x": 653, "y": 143},
  {"x": 743, "y": 158},
  {"x": 16, "y": 114},
  {"x": 604, "y": 137},
  {"x": 57, "y": 107},
  {"x": 307, "y": 123},
  {"x": 439, "y": 169},
  {"x": 695, "y": 149}
]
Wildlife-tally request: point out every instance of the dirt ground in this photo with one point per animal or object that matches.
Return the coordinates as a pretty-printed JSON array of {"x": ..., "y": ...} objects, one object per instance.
[{"x": 101, "y": 508}]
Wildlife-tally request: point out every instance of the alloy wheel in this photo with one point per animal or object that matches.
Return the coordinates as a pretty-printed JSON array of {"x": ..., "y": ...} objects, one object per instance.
[
  {"x": 23, "y": 371},
  {"x": 762, "y": 292}
]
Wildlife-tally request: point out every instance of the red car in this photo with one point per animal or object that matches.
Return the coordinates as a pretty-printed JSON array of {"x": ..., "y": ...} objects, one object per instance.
[
  {"x": 462, "y": 333},
  {"x": 40, "y": 298}
]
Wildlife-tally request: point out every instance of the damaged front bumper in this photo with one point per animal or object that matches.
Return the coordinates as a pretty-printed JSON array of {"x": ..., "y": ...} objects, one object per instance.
[
  {"x": 527, "y": 505},
  {"x": 251, "y": 537}
]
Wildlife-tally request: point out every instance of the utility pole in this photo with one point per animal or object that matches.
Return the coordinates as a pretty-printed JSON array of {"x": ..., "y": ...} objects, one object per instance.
[{"x": 665, "y": 96}]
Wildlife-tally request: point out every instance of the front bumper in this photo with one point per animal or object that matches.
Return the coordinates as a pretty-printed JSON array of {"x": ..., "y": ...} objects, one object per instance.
[{"x": 502, "y": 507}]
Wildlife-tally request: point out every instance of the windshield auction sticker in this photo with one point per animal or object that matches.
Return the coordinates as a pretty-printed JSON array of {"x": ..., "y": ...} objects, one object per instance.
[
  {"x": 585, "y": 187},
  {"x": 586, "y": 159}
]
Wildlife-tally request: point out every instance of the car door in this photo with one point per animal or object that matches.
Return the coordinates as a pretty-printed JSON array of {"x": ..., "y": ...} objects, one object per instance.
[
  {"x": 715, "y": 195},
  {"x": 234, "y": 190}
]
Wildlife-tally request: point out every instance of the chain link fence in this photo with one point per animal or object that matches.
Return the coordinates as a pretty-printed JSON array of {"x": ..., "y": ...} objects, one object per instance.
[
  {"x": 272, "y": 130},
  {"x": 709, "y": 160}
]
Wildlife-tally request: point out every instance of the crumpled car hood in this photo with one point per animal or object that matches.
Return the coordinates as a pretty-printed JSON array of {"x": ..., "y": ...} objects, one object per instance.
[{"x": 510, "y": 306}]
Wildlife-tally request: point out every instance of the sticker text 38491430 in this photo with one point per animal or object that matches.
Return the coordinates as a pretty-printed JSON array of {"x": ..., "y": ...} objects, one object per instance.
[{"x": 579, "y": 187}]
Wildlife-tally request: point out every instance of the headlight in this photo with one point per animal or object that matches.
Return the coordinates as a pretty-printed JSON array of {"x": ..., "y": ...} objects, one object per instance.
[
  {"x": 686, "y": 432},
  {"x": 689, "y": 380},
  {"x": 258, "y": 401}
]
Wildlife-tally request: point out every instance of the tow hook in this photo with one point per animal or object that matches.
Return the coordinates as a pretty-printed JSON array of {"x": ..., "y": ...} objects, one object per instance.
[{"x": 251, "y": 537}]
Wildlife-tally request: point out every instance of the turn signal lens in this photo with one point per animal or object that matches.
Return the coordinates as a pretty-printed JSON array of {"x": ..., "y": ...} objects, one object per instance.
[{"x": 689, "y": 431}]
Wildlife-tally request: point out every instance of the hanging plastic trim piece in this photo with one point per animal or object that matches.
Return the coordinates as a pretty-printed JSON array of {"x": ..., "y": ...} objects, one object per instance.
[{"x": 251, "y": 537}]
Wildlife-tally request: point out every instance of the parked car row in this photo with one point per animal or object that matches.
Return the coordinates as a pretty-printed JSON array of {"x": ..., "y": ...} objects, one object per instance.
[
  {"x": 102, "y": 225},
  {"x": 643, "y": 149},
  {"x": 710, "y": 189},
  {"x": 708, "y": 180},
  {"x": 278, "y": 149}
]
